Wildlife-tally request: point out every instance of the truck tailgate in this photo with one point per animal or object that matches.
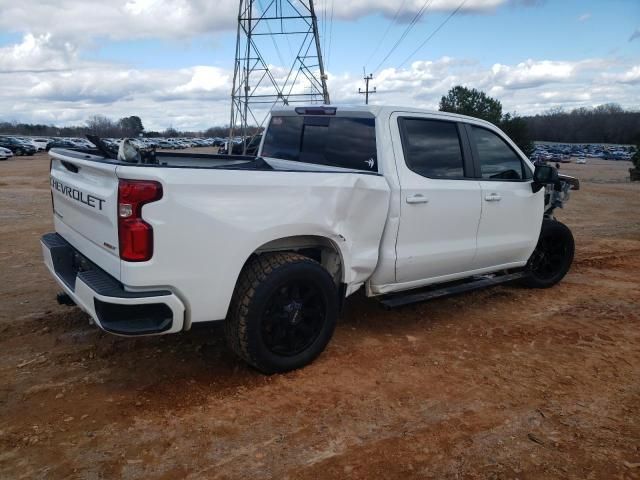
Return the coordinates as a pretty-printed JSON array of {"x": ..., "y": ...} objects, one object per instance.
[{"x": 84, "y": 191}]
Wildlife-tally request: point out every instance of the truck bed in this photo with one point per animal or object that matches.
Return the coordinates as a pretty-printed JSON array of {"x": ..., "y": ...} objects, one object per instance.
[{"x": 169, "y": 159}]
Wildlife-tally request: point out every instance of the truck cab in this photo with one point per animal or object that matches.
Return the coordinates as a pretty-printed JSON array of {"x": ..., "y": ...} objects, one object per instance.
[{"x": 461, "y": 201}]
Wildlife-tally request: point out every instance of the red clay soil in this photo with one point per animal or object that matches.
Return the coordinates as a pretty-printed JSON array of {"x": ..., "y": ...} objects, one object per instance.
[{"x": 501, "y": 383}]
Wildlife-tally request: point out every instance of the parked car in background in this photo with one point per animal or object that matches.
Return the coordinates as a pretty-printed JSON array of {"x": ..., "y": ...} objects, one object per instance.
[
  {"x": 81, "y": 142},
  {"x": 5, "y": 153},
  {"x": 40, "y": 143},
  {"x": 60, "y": 143},
  {"x": 253, "y": 144},
  {"x": 164, "y": 144},
  {"x": 581, "y": 161},
  {"x": 17, "y": 146}
]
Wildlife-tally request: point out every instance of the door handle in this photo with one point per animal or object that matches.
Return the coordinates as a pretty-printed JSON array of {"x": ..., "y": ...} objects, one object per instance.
[
  {"x": 493, "y": 197},
  {"x": 418, "y": 198}
]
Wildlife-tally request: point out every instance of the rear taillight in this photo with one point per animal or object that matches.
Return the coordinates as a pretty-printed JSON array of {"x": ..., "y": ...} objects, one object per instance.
[{"x": 136, "y": 235}]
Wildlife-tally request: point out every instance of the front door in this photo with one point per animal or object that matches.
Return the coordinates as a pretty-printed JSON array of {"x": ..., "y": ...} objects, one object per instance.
[{"x": 511, "y": 212}]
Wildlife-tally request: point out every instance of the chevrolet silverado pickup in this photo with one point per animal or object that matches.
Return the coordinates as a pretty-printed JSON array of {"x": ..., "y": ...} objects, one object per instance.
[{"x": 405, "y": 203}]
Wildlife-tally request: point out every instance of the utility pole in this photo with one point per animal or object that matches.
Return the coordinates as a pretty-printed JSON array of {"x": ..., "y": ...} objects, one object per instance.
[
  {"x": 280, "y": 25},
  {"x": 367, "y": 79}
]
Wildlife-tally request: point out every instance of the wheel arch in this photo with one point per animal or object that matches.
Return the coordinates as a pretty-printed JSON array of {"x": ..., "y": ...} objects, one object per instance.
[{"x": 319, "y": 248}]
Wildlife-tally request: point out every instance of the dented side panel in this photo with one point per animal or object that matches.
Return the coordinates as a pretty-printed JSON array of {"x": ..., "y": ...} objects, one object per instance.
[{"x": 209, "y": 222}]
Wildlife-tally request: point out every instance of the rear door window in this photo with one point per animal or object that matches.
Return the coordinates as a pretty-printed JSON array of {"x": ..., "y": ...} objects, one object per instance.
[{"x": 343, "y": 142}]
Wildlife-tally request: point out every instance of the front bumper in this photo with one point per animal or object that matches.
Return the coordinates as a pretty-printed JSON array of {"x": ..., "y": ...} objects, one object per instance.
[{"x": 112, "y": 307}]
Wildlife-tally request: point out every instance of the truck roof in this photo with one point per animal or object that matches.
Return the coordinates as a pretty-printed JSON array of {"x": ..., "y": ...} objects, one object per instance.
[{"x": 376, "y": 110}]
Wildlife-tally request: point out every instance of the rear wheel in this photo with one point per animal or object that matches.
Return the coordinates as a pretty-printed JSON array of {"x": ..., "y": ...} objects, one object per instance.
[
  {"x": 552, "y": 257},
  {"x": 19, "y": 151},
  {"x": 283, "y": 312}
]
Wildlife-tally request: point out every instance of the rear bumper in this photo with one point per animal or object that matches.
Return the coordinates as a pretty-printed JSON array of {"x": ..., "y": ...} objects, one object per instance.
[{"x": 112, "y": 307}]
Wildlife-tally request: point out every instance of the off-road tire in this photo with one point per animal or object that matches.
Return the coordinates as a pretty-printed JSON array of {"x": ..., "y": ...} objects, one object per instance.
[
  {"x": 259, "y": 280},
  {"x": 558, "y": 234}
]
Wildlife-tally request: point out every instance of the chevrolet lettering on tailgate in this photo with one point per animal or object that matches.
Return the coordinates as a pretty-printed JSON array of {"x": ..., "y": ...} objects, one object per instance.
[{"x": 77, "y": 195}]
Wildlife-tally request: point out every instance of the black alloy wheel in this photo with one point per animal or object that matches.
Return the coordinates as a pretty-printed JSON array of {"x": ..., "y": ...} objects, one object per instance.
[
  {"x": 293, "y": 318},
  {"x": 552, "y": 256},
  {"x": 283, "y": 312}
]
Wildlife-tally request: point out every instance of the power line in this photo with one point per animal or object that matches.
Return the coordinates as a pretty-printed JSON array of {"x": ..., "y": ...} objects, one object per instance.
[
  {"x": 330, "y": 34},
  {"x": 273, "y": 38},
  {"x": 444, "y": 22},
  {"x": 324, "y": 25},
  {"x": 414, "y": 20},
  {"x": 386, "y": 32}
]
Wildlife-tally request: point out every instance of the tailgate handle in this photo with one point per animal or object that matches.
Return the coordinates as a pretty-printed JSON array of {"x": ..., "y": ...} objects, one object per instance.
[{"x": 70, "y": 166}]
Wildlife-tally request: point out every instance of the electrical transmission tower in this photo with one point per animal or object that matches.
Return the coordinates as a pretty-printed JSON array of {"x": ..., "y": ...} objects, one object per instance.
[{"x": 258, "y": 86}]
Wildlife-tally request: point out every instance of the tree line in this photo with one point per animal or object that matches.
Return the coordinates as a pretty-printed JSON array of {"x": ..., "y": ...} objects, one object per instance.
[
  {"x": 98, "y": 125},
  {"x": 608, "y": 123},
  {"x": 105, "y": 127}
]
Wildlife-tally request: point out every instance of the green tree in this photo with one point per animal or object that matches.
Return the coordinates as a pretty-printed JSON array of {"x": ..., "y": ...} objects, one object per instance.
[
  {"x": 473, "y": 103},
  {"x": 171, "y": 132},
  {"x": 516, "y": 128},
  {"x": 478, "y": 104},
  {"x": 131, "y": 126},
  {"x": 102, "y": 126}
]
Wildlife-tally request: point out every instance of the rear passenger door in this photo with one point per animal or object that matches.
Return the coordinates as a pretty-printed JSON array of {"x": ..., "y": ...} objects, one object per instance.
[
  {"x": 440, "y": 199},
  {"x": 511, "y": 212}
]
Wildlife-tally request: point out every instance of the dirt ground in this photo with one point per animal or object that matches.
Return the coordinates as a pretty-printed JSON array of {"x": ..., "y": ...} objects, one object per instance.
[{"x": 501, "y": 383}]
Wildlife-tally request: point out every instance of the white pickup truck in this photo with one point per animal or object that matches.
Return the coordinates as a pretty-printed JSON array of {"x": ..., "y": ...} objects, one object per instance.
[{"x": 408, "y": 204}]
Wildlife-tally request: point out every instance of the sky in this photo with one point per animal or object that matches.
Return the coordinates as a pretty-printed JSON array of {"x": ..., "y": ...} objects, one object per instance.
[{"x": 171, "y": 61}]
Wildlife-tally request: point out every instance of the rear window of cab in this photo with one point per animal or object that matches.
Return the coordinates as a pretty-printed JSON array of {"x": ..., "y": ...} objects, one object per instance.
[{"x": 345, "y": 142}]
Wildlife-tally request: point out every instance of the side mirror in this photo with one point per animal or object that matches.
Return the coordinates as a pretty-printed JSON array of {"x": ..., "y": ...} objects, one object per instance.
[{"x": 543, "y": 175}]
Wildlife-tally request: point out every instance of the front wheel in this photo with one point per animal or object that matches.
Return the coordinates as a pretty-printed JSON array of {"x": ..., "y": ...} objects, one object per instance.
[
  {"x": 19, "y": 151},
  {"x": 553, "y": 256},
  {"x": 283, "y": 312}
]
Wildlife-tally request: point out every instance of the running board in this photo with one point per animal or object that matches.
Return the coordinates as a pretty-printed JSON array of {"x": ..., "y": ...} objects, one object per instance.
[{"x": 452, "y": 288}]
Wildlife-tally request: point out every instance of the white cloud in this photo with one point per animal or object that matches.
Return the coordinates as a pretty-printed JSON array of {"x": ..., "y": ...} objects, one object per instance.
[
  {"x": 532, "y": 73},
  {"x": 48, "y": 82},
  {"x": 85, "y": 20},
  {"x": 584, "y": 17},
  {"x": 36, "y": 53},
  {"x": 631, "y": 76},
  {"x": 204, "y": 79},
  {"x": 528, "y": 87}
]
